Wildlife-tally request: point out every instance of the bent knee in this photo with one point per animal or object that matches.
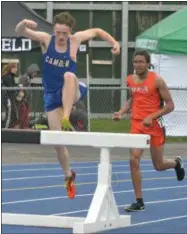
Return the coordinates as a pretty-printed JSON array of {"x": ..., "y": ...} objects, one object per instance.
[
  {"x": 158, "y": 166},
  {"x": 69, "y": 76}
]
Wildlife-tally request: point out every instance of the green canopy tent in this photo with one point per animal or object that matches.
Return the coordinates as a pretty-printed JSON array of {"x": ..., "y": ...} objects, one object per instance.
[
  {"x": 167, "y": 43},
  {"x": 167, "y": 36}
]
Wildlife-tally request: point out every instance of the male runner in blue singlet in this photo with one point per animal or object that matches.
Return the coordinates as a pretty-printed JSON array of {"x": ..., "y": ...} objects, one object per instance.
[{"x": 61, "y": 86}]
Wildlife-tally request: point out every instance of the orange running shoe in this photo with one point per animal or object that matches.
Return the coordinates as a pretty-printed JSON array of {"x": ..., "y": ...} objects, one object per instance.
[{"x": 70, "y": 185}]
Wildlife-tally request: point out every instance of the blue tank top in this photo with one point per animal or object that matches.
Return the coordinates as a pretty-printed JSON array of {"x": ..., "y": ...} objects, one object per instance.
[{"x": 55, "y": 65}]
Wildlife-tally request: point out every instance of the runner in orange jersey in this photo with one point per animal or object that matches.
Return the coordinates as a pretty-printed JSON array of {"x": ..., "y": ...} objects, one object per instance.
[{"x": 148, "y": 94}]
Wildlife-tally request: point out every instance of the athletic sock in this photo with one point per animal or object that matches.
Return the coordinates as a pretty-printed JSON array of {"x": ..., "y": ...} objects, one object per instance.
[{"x": 140, "y": 200}]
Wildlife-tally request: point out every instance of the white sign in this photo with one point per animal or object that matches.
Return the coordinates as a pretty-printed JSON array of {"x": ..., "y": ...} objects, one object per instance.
[
  {"x": 82, "y": 48},
  {"x": 146, "y": 44},
  {"x": 10, "y": 45}
]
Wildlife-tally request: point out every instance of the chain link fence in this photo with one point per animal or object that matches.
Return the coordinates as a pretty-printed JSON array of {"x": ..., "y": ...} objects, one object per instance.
[{"x": 24, "y": 109}]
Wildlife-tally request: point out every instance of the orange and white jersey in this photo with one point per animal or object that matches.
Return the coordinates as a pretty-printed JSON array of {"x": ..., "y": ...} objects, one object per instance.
[{"x": 145, "y": 95}]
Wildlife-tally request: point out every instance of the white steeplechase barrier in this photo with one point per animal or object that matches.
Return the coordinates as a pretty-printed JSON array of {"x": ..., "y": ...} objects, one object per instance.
[{"x": 103, "y": 213}]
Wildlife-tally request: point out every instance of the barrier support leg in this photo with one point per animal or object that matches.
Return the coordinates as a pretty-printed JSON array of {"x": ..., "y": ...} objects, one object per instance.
[{"x": 103, "y": 213}]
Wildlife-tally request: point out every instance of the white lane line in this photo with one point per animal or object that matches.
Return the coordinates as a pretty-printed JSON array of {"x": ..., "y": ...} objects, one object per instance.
[
  {"x": 84, "y": 183},
  {"x": 158, "y": 220},
  {"x": 91, "y": 194},
  {"x": 145, "y": 159},
  {"x": 58, "y": 176},
  {"x": 76, "y": 167},
  {"x": 58, "y": 168},
  {"x": 41, "y": 163},
  {"x": 150, "y": 202},
  {"x": 73, "y": 162}
]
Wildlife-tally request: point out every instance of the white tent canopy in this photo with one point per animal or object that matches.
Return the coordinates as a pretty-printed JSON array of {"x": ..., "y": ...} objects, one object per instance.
[{"x": 173, "y": 69}]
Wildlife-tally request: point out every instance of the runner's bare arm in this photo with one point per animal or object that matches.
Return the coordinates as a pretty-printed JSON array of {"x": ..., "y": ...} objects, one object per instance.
[
  {"x": 97, "y": 32},
  {"x": 127, "y": 105},
  {"x": 166, "y": 97},
  {"x": 87, "y": 35},
  {"x": 27, "y": 28}
]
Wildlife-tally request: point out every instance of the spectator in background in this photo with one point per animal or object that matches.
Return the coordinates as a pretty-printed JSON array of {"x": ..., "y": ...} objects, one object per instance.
[
  {"x": 24, "y": 96},
  {"x": 8, "y": 80},
  {"x": 78, "y": 119}
]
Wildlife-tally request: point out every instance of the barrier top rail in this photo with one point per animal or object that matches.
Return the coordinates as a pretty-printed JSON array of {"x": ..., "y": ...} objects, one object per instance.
[{"x": 90, "y": 87}]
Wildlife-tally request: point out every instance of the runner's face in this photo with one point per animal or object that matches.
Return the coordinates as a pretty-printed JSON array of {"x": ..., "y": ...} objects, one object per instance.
[
  {"x": 140, "y": 64},
  {"x": 62, "y": 33}
]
